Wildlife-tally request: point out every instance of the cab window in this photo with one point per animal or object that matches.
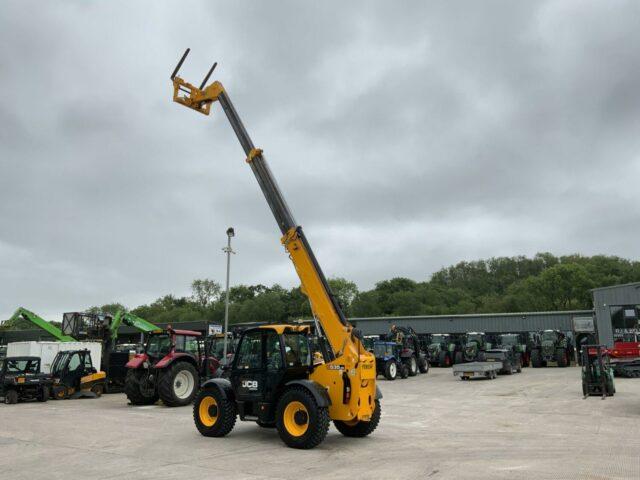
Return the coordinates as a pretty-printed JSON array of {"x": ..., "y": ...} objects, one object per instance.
[
  {"x": 274, "y": 354},
  {"x": 296, "y": 347},
  {"x": 187, "y": 343},
  {"x": 250, "y": 354}
]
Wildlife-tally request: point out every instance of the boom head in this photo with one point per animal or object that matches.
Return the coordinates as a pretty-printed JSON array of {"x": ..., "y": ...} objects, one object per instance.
[{"x": 196, "y": 98}]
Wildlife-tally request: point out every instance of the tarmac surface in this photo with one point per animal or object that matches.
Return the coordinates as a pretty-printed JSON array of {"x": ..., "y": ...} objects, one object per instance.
[{"x": 533, "y": 425}]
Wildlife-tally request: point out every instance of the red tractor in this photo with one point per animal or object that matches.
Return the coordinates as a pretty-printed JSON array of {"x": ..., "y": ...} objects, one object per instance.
[{"x": 169, "y": 369}]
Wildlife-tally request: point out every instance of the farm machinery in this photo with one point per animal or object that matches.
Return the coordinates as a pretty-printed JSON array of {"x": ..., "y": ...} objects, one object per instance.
[
  {"x": 411, "y": 352},
  {"x": 442, "y": 349},
  {"x": 474, "y": 346},
  {"x": 553, "y": 346}
]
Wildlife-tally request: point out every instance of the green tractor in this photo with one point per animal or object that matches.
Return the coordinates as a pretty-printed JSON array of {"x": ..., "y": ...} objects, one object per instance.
[
  {"x": 552, "y": 346},
  {"x": 474, "y": 346},
  {"x": 518, "y": 342},
  {"x": 442, "y": 349}
]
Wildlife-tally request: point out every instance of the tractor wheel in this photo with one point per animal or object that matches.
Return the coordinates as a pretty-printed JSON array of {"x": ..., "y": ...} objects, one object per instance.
[
  {"x": 360, "y": 428},
  {"x": 481, "y": 357},
  {"x": 584, "y": 388},
  {"x": 11, "y": 397},
  {"x": 519, "y": 366},
  {"x": 423, "y": 365},
  {"x": 138, "y": 389},
  {"x": 43, "y": 394},
  {"x": 508, "y": 368},
  {"x": 561, "y": 357},
  {"x": 442, "y": 359},
  {"x": 178, "y": 384},
  {"x": 301, "y": 423},
  {"x": 412, "y": 364},
  {"x": 97, "y": 390},
  {"x": 536, "y": 360},
  {"x": 213, "y": 414},
  {"x": 404, "y": 371},
  {"x": 458, "y": 358},
  {"x": 390, "y": 370}
]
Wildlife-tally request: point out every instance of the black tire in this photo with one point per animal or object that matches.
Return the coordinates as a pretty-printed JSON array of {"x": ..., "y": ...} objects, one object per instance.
[
  {"x": 442, "y": 359},
  {"x": 519, "y": 367},
  {"x": 412, "y": 364},
  {"x": 536, "y": 359},
  {"x": 11, "y": 397},
  {"x": 315, "y": 418},
  {"x": 43, "y": 394},
  {"x": 458, "y": 358},
  {"x": 423, "y": 365},
  {"x": 97, "y": 390},
  {"x": 136, "y": 389},
  {"x": 360, "y": 429},
  {"x": 391, "y": 370},
  {"x": 169, "y": 384},
  {"x": 508, "y": 368},
  {"x": 404, "y": 371},
  {"x": 481, "y": 357},
  {"x": 561, "y": 357},
  {"x": 216, "y": 423}
]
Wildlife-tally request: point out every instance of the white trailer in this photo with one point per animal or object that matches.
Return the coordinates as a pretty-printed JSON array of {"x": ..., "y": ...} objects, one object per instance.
[{"x": 47, "y": 351}]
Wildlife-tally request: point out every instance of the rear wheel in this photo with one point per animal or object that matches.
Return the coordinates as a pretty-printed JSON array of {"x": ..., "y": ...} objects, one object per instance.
[
  {"x": 360, "y": 428},
  {"x": 139, "y": 389},
  {"x": 390, "y": 370},
  {"x": 301, "y": 423},
  {"x": 43, "y": 394},
  {"x": 404, "y": 371},
  {"x": 458, "y": 358},
  {"x": 11, "y": 397},
  {"x": 178, "y": 385},
  {"x": 213, "y": 414},
  {"x": 536, "y": 359}
]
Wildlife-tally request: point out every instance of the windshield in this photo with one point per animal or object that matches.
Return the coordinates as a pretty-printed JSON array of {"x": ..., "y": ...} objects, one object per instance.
[
  {"x": 509, "y": 339},
  {"x": 216, "y": 347},
  {"x": 22, "y": 366},
  {"x": 550, "y": 336},
  {"x": 438, "y": 339},
  {"x": 158, "y": 345},
  {"x": 474, "y": 337},
  {"x": 380, "y": 349},
  {"x": 59, "y": 362}
]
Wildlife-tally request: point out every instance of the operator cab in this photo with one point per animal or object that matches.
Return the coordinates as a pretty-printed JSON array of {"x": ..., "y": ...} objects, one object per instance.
[{"x": 267, "y": 358}]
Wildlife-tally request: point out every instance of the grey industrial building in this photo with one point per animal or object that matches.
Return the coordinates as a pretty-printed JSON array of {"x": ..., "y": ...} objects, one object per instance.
[{"x": 606, "y": 320}]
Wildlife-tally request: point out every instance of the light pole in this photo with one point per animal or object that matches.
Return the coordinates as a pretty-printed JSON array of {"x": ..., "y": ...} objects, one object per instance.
[{"x": 228, "y": 251}]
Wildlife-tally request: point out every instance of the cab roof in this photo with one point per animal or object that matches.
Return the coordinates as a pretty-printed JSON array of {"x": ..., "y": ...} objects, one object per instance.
[{"x": 283, "y": 328}]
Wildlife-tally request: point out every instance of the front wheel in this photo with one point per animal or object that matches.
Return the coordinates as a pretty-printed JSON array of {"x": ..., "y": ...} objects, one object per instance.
[
  {"x": 412, "y": 363},
  {"x": 43, "y": 394},
  {"x": 458, "y": 358},
  {"x": 360, "y": 428},
  {"x": 11, "y": 397},
  {"x": 139, "y": 389},
  {"x": 391, "y": 370},
  {"x": 178, "y": 385},
  {"x": 423, "y": 365},
  {"x": 536, "y": 359},
  {"x": 213, "y": 414},
  {"x": 301, "y": 423},
  {"x": 404, "y": 371}
]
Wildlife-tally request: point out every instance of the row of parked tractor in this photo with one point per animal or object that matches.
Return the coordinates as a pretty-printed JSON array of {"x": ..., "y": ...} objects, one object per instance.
[{"x": 404, "y": 353}]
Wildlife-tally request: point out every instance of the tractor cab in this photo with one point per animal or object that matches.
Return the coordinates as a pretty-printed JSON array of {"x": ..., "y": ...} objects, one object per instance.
[
  {"x": 213, "y": 361},
  {"x": 74, "y": 375},
  {"x": 475, "y": 344},
  {"x": 267, "y": 359}
]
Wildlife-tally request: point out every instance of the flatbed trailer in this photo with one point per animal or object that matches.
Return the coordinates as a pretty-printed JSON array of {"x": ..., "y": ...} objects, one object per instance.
[{"x": 467, "y": 371}]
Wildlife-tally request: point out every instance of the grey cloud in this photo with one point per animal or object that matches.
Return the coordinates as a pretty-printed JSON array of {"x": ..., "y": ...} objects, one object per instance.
[{"x": 406, "y": 137}]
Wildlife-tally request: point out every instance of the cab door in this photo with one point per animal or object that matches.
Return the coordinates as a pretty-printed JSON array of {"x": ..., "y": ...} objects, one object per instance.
[{"x": 248, "y": 373}]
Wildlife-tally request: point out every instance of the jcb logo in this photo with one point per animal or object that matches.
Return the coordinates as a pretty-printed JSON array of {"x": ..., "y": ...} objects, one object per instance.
[{"x": 250, "y": 384}]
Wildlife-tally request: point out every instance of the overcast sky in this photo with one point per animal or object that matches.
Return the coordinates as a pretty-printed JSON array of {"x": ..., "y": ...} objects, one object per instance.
[{"x": 406, "y": 137}]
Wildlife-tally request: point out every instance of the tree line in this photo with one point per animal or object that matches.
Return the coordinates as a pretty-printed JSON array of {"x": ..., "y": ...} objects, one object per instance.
[{"x": 498, "y": 285}]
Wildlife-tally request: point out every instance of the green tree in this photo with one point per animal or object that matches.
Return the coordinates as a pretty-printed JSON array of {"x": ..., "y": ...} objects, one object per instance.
[{"x": 204, "y": 292}]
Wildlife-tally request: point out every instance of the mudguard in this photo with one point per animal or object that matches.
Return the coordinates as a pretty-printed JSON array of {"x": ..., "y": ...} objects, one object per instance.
[
  {"x": 223, "y": 385},
  {"x": 320, "y": 395}
]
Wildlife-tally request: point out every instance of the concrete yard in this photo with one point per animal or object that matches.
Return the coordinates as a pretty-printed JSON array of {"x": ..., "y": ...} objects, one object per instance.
[{"x": 534, "y": 425}]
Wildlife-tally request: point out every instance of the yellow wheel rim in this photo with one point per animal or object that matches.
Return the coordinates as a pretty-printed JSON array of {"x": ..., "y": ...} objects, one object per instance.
[
  {"x": 296, "y": 419},
  {"x": 204, "y": 411},
  {"x": 351, "y": 423}
]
